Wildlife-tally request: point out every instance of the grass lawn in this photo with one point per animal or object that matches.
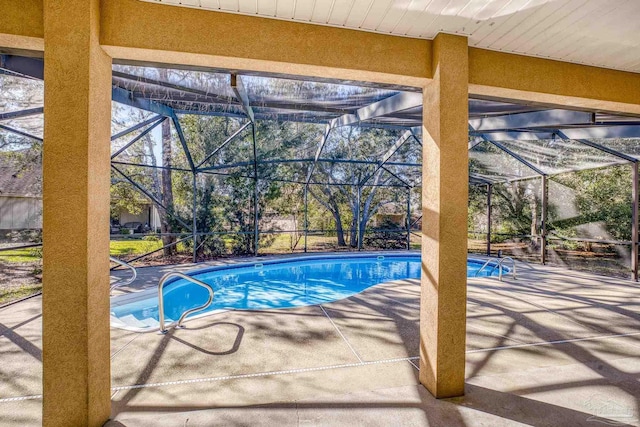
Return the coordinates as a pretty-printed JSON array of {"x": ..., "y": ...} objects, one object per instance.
[
  {"x": 282, "y": 244},
  {"x": 22, "y": 255},
  {"x": 133, "y": 247},
  {"x": 18, "y": 292},
  {"x": 20, "y": 269},
  {"x": 117, "y": 248}
]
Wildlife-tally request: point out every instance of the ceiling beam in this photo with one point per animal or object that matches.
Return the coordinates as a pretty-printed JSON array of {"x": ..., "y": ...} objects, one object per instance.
[
  {"x": 502, "y": 75},
  {"x": 30, "y": 67},
  {"x": 514, "y": 136},
  {"x": 170, "y": 87},
  {"x": 393, "y": 104},
  {"x": 242, "y": 42},
  {"x": 624, "y": 131},
  {"x": 125, "y": 97},
  {"x": 399, "y": 102},
  {"x": 545, "y": 118}
]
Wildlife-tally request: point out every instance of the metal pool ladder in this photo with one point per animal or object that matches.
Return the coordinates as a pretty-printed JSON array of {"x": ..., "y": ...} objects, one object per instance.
[
  {"x": 161, "y": 284},
  {"x": 499, "y": 262},
  {"x": 134, "y": 274}
]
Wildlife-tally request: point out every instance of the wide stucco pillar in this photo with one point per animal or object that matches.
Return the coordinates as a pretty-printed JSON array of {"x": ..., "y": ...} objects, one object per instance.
[
  {"x": 76, "y": 178},
  {"x": 444, "y": 223}
]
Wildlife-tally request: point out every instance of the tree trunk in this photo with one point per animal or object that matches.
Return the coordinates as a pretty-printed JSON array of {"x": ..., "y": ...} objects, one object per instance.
[
  {"x": 339, "y": 229},
  {"x": 155, "y": 174},
  {"x": 535, "y": 222},
  {"x": 367, "y": 210},
  {"x": 332, "y": 206},
  {"x": 353, "y": 237},
  {"x": 355, "y": 214},
  {"x": 167, "y": 190}
]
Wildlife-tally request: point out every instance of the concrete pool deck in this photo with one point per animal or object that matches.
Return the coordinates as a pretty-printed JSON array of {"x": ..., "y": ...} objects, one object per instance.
[{"x": 554, "y": 347}]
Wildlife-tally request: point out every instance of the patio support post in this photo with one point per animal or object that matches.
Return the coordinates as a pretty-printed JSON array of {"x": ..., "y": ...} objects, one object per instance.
[
  {"x": 445, "y": 169},
  {"x": 634, "y": 225},
  {"x": 76, "y": 179},
  {"x": 194, "y": 226},
  {"x": 256, "y": 235},
  {"x": 489, "y": 194},
  {"x": 543, "y": 228},
  {"x": 408, "y": 218}
]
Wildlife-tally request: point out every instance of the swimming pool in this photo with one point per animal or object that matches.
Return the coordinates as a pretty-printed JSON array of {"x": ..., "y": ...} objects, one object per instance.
[{"x": 274, "y": 284}]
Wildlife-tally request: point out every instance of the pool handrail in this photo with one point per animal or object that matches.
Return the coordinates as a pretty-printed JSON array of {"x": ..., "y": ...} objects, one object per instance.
[
  {"x": 133, "y": 277},
  {"x": 498, "y": 264},
  {"x": 161, "y": 284},
  {"x": 513, "y": 265}
]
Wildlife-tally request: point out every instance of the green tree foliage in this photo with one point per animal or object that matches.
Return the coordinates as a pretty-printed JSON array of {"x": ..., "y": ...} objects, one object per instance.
[
  {"x": 25, "y": 154},
  {"x": 515, "y": 205},
  {"x": 337, "y": 188},
  {"x": 593, "y": 203},
  {"x": 124, "y": 197},
  {"x": 515, "y": 208},
  {"x": 477, "y": 218},
  {"x": 600, "y": 195},
  {"x": 225, "y": 195}
]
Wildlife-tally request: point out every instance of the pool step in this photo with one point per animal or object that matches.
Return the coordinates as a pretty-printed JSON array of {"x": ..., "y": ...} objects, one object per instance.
[
  {"x": 152, "y": 323},
  {"x": 131, "y": 320}
]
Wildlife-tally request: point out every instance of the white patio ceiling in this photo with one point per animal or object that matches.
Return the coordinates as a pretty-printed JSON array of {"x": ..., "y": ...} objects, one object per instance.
[{"x": 603, "y": 33}]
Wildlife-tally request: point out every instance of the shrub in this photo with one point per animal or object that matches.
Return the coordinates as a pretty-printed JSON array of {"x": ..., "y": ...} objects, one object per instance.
[
  {"x": 388, "y": 239},
  {"x": 24, "y": 236}
]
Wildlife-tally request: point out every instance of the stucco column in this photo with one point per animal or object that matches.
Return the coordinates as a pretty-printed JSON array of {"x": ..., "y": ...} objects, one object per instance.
[
  {"x": 444, "y": 223},
  {"x": 77, "y": 111}
]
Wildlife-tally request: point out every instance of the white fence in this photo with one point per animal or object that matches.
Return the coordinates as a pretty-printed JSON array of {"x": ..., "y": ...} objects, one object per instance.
[{"x": 17, "y": 213}]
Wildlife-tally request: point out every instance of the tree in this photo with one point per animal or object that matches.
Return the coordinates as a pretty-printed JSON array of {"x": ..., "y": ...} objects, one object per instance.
[
  {"x": 599, "y": 195},
  {"x": 225, "y": 192},
  {"x": 166, "y": 222},
  {"x": 24, "y": 153},
  {"x": 124, "y": 196},
  {"x": 516, "y": 205},
  {"x": 340, "y": 183}
]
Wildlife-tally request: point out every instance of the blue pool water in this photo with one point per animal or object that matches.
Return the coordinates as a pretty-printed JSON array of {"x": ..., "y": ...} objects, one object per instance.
[{"x": 274, "y": 285}]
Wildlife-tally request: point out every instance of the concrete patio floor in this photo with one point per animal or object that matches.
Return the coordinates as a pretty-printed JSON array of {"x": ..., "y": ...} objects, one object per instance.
[{"x": 554, "y": 347}]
